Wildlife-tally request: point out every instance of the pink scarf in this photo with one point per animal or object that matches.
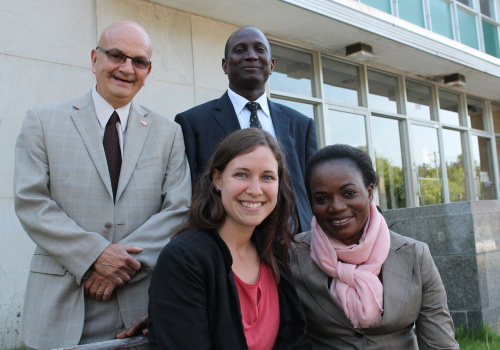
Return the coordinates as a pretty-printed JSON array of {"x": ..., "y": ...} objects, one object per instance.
[{"x": 355, "y": 285}]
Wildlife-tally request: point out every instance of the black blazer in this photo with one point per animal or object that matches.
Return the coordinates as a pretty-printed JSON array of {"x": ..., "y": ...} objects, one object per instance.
[
  {"x": 194, "y": 304},
  {"x": 206, "y": 125}
]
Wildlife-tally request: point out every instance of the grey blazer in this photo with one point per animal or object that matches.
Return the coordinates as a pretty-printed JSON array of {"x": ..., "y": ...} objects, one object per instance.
[
  {"x": 64, "y": 200},
  {"x": 413, "y": 295}
]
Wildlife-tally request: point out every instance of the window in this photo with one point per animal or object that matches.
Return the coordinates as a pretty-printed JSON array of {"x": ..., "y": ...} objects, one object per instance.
[
  {"x": 448, "y": 107},
  {"x": 292, "y": 71},
  {"x": 340, "y": 82},
  {"x": 490, "y": 34},
  {"x": 454, "y": 165},
  {"x": 487, "y": 7},
  {"x": 388, "y": 163},
  {"x": 382, "y": 5},
  {"x": 483, "y": 167},
  {"x": 467, "y": 28},
  {"x": 382, "y": 92},
  {"x": 495, "y": 111},
  {"x": 427, "y": 164},
  {"x": 304, "y": 108},
  {"x": 441, "y": 18},
  {"x": 418, "y": 100},
  {"x": 475, "y": 110},
  {"x": 412, "y": 11},
  {"x": 348, "y": 128},
  {"x": 430, "y": 144}
]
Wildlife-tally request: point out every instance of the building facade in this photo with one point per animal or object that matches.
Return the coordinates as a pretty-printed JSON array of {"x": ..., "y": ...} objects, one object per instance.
[{"x": 421, "y": 93}]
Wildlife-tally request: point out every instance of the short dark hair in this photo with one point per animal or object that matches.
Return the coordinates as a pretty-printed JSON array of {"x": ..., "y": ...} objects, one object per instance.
[
  {"x": 339, "y": 151},
  {"x": 207, "y": 211},
  {"x": 226, "y": 47}
]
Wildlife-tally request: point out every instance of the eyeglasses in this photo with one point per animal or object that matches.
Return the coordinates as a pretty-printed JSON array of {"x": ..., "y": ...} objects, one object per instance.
[{"x": 118, "y": 57}]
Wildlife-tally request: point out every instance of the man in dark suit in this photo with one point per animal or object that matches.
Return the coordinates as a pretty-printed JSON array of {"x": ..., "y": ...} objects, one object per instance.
[{"x": 248, "y": 63}]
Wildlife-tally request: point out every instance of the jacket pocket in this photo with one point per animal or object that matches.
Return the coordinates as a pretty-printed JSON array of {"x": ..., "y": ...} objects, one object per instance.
[
  {"x": 46, "y": 264},
  {"x": 143, "y": 163}
]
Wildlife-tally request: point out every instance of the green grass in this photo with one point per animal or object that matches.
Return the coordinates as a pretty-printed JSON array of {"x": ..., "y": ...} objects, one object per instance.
[{"x": 483, "y": 339}]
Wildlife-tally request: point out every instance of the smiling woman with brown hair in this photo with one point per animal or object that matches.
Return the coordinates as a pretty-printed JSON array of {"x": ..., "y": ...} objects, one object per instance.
[
  {"x": 363, "y": 286},
  {"x": 224, "y": 282}
]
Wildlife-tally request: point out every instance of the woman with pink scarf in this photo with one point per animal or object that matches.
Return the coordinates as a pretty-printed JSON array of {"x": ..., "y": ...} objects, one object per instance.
[{"x": 363, "y": 286}]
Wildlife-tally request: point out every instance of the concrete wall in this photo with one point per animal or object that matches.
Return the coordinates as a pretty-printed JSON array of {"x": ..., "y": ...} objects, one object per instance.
[
  {"x": 464, "y": 239},
  {"x": 45, "y": 57}
]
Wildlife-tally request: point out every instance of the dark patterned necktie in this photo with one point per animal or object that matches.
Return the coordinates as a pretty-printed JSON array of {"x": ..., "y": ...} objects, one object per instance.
[
  {"x": 111, "y": 144},
  {"x": 254, "y": 119}
]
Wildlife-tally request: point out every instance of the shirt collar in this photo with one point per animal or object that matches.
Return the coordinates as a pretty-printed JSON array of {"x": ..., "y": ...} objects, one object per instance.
[
  {"x": 239, "y": 102},
  {"x": 104, "y": 110}
]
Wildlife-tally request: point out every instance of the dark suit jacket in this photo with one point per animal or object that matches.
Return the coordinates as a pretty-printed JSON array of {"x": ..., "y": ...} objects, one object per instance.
[
  {"x": 206, "y": 125},
  {"x": 194, "y": 303}
]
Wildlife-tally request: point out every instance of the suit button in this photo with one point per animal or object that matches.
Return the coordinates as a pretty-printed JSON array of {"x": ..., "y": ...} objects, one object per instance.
[
  {"x": 108, "y": 226},
  {"x": 359, "y": 335}
]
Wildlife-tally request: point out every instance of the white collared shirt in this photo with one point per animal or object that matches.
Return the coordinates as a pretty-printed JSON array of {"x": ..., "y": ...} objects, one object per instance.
[
  {"x": 243, "y": 114},
  {"x": 104, "y": 111}
]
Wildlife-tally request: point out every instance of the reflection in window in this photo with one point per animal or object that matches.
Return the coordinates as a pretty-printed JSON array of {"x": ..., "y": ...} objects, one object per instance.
[
  {"x": 454, "y": 165},
  {"x": 441, "y": 18},
  {"x": 347, "y": 128},
  {"x": 466, "y": 2},
  {"x": 495, "y": 111},
  {"x": 427, "y": 164},
  {"x": 475, "y": 110},
  {"x": 292, "y": 71},
  {"x": 412, "y": 11},
  {"x": 487, "y": 8},
  {"x": 382, "y": 92},
  {"x": 418, "y": 100},
  {"x": 340, "y": 82},
  {"x": 388, "y": 163},
  {"x": 467, "y": 28},
  {"x": 304, "y": 108},
  {"x": 483, "y": 167},
  {"x": 490, "y": 34},
  {"x": 382, "y": 5},
  {"x": 448, "y": 107}
]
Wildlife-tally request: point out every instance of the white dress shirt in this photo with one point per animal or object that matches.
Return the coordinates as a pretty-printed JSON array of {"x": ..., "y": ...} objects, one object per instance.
[
  {"x": 104, "y": 111},
  {"x": 243, "y": 114}
]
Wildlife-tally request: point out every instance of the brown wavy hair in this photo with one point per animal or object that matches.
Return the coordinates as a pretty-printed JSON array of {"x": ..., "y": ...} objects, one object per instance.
[{"x": 208, "y": 213}]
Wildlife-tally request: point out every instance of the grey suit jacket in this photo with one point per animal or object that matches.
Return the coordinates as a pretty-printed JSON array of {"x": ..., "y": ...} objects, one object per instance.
[
  {"x": 64, "y": 200},
  {"x": 413, "y": 295}
]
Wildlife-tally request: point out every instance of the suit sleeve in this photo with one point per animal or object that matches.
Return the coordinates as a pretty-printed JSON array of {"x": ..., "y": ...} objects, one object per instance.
[
  {"x": 156, "y": 232},
  {"x": 190, "y": 144},
  {"x": 434, "y": 326},
  {"x": 177, "y": 302},
  {"x": 41, "y": 217}
]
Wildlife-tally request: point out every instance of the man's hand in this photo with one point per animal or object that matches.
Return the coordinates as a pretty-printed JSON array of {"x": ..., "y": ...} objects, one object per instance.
[
  {"x": 116, "y": 264},
  {"x": 98, "y": 287},
  {"x": 135, "y": 328}
]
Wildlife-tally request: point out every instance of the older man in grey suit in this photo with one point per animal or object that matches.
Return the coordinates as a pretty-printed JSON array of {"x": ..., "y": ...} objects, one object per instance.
[{"x": 100, "y": 181}]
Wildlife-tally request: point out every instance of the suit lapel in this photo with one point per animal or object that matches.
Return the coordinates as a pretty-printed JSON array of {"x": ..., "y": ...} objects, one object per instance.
[
  {"x": 225, "y": 115},
  {"x": 396, "y": 277},
  {"x": 317, "y": 283},
  {"x": 84, "y": 117},
  {"x": 281, "y": 123},
  {"x": 138, "y": 127}
]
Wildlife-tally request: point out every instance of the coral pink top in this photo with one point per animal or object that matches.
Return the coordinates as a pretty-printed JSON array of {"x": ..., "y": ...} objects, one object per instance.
[{"x": 260, "y": 309}]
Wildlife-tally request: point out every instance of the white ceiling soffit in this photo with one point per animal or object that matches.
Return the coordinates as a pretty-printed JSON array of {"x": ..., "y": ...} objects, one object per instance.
[{"x": 330, "y": 26}]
